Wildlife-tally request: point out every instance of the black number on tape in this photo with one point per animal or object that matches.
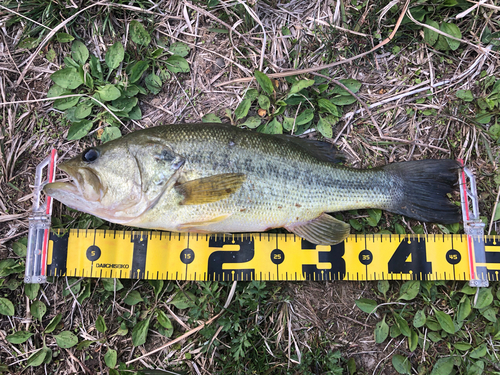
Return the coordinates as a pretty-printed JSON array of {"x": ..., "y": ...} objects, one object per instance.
[
  {"x": 417, "y": 265},
  {"x": 57, "y": 265},
  {"x": 334, "y": 257},
  {"x": 218, "y": 258},
  {"x": 139, "y": 255}
]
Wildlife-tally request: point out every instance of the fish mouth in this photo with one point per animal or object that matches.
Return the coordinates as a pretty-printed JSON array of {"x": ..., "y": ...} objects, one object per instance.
[{"x": 84, "y": 187}]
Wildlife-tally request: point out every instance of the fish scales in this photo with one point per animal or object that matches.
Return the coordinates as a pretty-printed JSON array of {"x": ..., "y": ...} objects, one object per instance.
[
  {"x": 280, "y": 178},
  {"x": 219, "y": 178}
]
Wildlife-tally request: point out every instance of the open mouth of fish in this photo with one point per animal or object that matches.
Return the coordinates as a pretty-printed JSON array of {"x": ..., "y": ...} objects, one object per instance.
[{"x": 81, "y": 184}]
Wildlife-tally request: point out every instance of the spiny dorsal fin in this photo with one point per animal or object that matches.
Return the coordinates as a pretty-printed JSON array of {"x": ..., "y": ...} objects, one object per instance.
[
  {"x": 210, "y": 189},
  {"x": 323, "y": 151},
  {"x": 324, "y": 230}
]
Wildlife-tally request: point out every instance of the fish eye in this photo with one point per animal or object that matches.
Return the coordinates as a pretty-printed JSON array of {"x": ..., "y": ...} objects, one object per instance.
[{"x": 90, "y": 154}]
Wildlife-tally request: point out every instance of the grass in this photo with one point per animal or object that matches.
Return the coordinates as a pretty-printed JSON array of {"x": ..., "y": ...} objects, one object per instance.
[{"x": 104, "y": 326}]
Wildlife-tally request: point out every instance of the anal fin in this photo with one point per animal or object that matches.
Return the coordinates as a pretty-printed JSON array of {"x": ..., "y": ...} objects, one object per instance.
[{"x": 324, "y": 230}]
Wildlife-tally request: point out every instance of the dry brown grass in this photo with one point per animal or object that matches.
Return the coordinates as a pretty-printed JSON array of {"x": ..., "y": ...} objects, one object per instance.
[{"x": 391, "y": 126}]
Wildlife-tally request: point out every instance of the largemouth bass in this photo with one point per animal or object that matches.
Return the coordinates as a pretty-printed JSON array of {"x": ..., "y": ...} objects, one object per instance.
[{"x": 221, "y": 179}]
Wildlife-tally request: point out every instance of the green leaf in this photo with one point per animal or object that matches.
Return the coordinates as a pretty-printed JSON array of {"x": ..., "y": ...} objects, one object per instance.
[
  {"x": 304, "y": 117},
  {"x": 83, "y": 110},
  {"x": 177, "y": 64},
  {"x": 53, "y": 323},
  {"x": 383, "y": 286},
  {"x": 79, "y": 130},
  {"x": 100, "y": 324},
  {"x": 401, "y": 364},
  {"x": 432, "y": 323},
  {"x": 252, "y": 94},
  {"x": 109, "y": 133},
  {"x": 375, "y": 215},
  {"x": 56, "y": 90},
  {"x": 66, "y": 339},
  {"x": 402, "y": 325},
  {"x": 135, "y": 113},
  {"x": 38, "y": 309},
  {"x": 37, "y": 358},
  {"x": 399, "y": 229},
  {"x": 327, "y": 106},
  {"x": 138, "y": 34},
  {"x": 31, "y": 290},
  {"x": 65, "y": 103},
  {"x": 444, "y": 366},
  {"x": 453, "y": 30},
  {"x": 490, "y": 314},
  {"x": 273, "y": 127},
  {"x": 264, "y": 82},
  {"x": 124, "y": 104},
  {"x": 109, "y": 285},
  {"x": 351, "y": 84},
  {"x": 110, "y": 358},
  {"x": 343, "y": 100},
  {"x": 462, "y": 346},
  {"x": 324, "y": 128},
  {"x": 10, "y": 266},
  {"x": 165, "y": 323},
  {"x": 288, "y": 123},
  {"x": 114, "y": 55},
  {"x": 465, "y": 95},
  {"x": 96, "y": 68},
  {"x": 19, "y": 247},
  {"x": 179, "y": 49},
  {"x": 430, "y": 36},
  {"x": 419, "y": 319},
  {"x": 210, "y": 118},
  {"x": 264, "y": 102},
  {"x": 79, "y": 52},
  {"x": 381, "y": 331},
  {"x": 68, "y": 78},
  {"x": 484, "y": 298},
  {"x": 183, "y": 300},
  {"x": 157, "y": 286},
  {"x": 109, "y": 92},
  {"x": 252, "y": 122},
  {"x": 84, "y": 344},
  {"x": 478, "y": 352},
  {"x": 394, "y": 331},
  {"x": 441, "y": 44},
  {"x": 133, "y": 298},
  {"x": 19, "y": 337},
  {"x": 300, "y": 85},
  {"x": 409, "y": 290},
  {"x": 28, "y": 43},
  {"x": 413, "y": 341},
  {"x": 366, "y": 305},
  {"x": 136, "y": 70},
  {"x": 242, "y": 109},
  {"x": 445, "y": 322},
  {"x": 140, "y": 332},
  {"x": 122, "y": 331},
  {"x": 153, "y": 83},
  {"x": 351, "y": 366},
  {"x": 64, "y": 38}
]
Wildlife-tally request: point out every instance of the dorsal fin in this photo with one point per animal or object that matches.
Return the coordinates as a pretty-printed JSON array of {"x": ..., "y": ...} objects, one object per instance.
[{"x": 323, "y": 151}]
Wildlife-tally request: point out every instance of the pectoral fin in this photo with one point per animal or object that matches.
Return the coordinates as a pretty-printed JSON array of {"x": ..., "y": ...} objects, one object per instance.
[
  {"x": 210, "y": 189},
  {"x": 201, "y": 226},
  {"x": 324, "y": 230}
]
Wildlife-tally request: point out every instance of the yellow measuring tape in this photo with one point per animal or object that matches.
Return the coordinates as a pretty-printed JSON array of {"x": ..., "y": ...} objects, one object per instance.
[{"x": 269, "y": 256}]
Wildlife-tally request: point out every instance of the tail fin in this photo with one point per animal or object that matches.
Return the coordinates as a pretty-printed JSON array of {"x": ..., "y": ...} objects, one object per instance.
[{"x": 422, "y": 187}]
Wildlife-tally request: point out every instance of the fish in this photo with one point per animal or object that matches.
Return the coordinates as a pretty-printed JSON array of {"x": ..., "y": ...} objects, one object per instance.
[{"x": 218, "y": 178}]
